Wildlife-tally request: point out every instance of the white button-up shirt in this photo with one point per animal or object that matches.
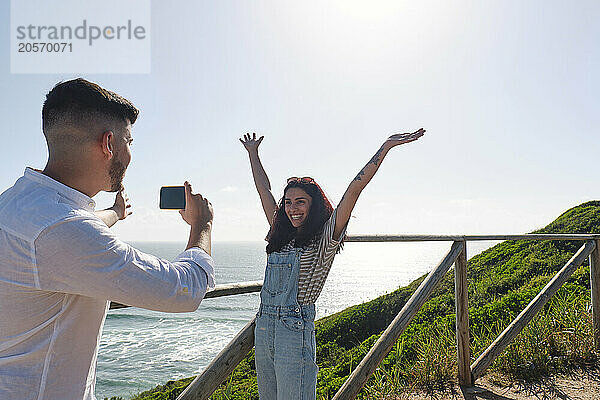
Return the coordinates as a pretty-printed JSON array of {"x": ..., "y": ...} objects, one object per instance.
[{"x": 59, "y": 267}]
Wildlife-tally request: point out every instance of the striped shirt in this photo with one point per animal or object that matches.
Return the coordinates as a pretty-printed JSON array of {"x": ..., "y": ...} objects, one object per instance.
[{"x": 315, "y": 262}]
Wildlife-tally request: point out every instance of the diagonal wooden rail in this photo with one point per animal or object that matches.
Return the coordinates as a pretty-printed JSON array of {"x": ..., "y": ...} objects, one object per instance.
[
  {"x": 515, "y": 327},
  {"x": 218, "y": 370},
  {"x": 386, "y": 341},
  {"x": 222, "y": 365}
]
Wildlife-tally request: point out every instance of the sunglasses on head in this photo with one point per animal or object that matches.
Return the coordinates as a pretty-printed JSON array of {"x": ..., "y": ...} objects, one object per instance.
[{"x": 305, "y": 179}]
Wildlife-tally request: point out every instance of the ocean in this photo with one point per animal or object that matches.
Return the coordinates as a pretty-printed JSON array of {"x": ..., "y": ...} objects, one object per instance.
[{"x": 141, "y": 349}]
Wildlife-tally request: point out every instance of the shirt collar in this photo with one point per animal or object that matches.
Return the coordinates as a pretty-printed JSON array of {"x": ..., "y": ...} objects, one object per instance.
[{"x": 80, "y": 199}]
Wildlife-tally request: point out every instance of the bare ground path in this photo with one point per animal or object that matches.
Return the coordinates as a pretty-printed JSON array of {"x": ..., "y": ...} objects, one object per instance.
[{"x": 582, "y": 385}]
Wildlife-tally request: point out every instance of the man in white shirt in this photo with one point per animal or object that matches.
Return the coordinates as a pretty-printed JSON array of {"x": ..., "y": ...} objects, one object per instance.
[{"x": 60, "y": 264}]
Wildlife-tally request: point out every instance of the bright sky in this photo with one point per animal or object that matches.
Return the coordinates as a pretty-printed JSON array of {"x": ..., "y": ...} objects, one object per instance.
[{"x": 507, "y": 90}]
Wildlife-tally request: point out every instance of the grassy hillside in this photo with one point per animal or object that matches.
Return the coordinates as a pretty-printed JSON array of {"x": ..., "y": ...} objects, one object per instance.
[{"x": 502, "y": 280}]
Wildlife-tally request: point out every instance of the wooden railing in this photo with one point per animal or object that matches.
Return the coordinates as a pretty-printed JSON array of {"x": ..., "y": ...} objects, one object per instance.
[
  {"x": 226, "y": 361},
  {"x": 467, "y": 373},
  {"x": 228, "y": 289}
]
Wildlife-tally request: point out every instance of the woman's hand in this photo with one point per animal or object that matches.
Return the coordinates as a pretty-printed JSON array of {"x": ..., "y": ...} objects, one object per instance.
[
  {"x": 402, "y": 138},
  {"x": 251, "y": 143},
  {"x": 261, "y": 180}
]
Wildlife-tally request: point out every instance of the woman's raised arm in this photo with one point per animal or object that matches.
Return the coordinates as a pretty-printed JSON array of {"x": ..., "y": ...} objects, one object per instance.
[
  {"x": 349, "y": 199},
  {"x": 261, "y": 180}
]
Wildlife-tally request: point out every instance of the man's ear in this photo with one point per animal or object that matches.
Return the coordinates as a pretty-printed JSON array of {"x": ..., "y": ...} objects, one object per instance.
[{"x": 107, "y": 144}]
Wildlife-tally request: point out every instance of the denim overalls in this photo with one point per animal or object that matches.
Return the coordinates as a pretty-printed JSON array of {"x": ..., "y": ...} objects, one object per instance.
[{"x": 284, "y": 334}]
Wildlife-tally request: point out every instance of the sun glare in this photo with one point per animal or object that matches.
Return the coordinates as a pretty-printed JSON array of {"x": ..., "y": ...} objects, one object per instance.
[{"x": 369, "y": 10}]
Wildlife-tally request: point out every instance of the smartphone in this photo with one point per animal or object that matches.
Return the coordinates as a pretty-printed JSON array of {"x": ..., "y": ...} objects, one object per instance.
[{"x": 172, "y": 197}]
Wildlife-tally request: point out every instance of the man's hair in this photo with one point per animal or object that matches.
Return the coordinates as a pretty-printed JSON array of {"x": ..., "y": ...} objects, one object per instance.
[
  {"x": 282, "y": 231},
  {"x": 86, "y": 107}
]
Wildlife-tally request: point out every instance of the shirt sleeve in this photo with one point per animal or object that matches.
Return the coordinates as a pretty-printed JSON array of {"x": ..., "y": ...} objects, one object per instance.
[
  {"x": 82, "y": 256},
  {"x": 329, "y": 245}
]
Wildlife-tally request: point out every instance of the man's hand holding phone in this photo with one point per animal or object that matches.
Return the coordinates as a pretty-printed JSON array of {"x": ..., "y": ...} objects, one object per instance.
[{"x": 198, "y": 213}]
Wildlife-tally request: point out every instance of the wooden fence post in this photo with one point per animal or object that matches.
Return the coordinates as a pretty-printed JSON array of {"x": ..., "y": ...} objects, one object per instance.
[
  {"x": 461, "y": 294},
  {"x": 595, "y": 292}
]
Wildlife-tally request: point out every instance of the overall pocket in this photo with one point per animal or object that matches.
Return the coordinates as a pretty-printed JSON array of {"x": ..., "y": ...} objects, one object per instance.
[
  {"x": 277, "y": 277},
  {"x": 294, "y": 324}
]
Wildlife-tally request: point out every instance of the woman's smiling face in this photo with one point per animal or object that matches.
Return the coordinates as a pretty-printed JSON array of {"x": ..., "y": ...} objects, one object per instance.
[{"x": 297, "y": 206}]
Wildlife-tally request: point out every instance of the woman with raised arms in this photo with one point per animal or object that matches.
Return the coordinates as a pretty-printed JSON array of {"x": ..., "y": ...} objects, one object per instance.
[{"x": 306, "y": 233}]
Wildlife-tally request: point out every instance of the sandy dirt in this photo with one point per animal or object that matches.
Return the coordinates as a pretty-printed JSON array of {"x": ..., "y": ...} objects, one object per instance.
[{"x": 578, "y": 386}]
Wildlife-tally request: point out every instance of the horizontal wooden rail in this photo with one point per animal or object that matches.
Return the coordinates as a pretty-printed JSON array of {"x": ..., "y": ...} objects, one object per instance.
[
  {"x": 221, "y": 366},
  {"x": 227, "y": 289},
  {"x": 386, "y": 341},
  {"x": 455, "y": 238},
  {"x": 494, "y": 350}
]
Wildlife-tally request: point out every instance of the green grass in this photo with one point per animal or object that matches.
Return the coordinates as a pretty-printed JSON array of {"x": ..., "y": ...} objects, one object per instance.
[{"x": 502, "y": 281}]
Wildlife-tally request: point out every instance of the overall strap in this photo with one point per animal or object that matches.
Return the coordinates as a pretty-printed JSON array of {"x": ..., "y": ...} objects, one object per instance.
[{"x": 276, "y": 293}]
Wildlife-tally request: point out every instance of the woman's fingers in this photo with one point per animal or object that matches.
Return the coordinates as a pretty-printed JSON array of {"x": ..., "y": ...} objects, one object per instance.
[
  {"x": 250, "y": 139},
  {"x": 401, "y": 138},
  {"x": 245, "y": 139},
  {"x": 417, "y": 133}
]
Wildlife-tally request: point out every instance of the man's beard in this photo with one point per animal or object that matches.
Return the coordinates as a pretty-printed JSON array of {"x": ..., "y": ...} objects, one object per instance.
[{"x": 116, "y": 173}]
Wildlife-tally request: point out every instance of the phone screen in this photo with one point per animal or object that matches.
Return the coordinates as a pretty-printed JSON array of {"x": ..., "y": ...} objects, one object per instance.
[{"x": 172, "y": 197}]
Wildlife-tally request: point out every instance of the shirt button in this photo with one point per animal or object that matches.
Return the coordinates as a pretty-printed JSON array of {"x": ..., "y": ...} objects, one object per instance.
[
  {"x": 299, "y": 322},
  {"x": 289, "y": 265},
  {"x": 297, "y": 309},
  {"x": 91, "y": 204}
]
